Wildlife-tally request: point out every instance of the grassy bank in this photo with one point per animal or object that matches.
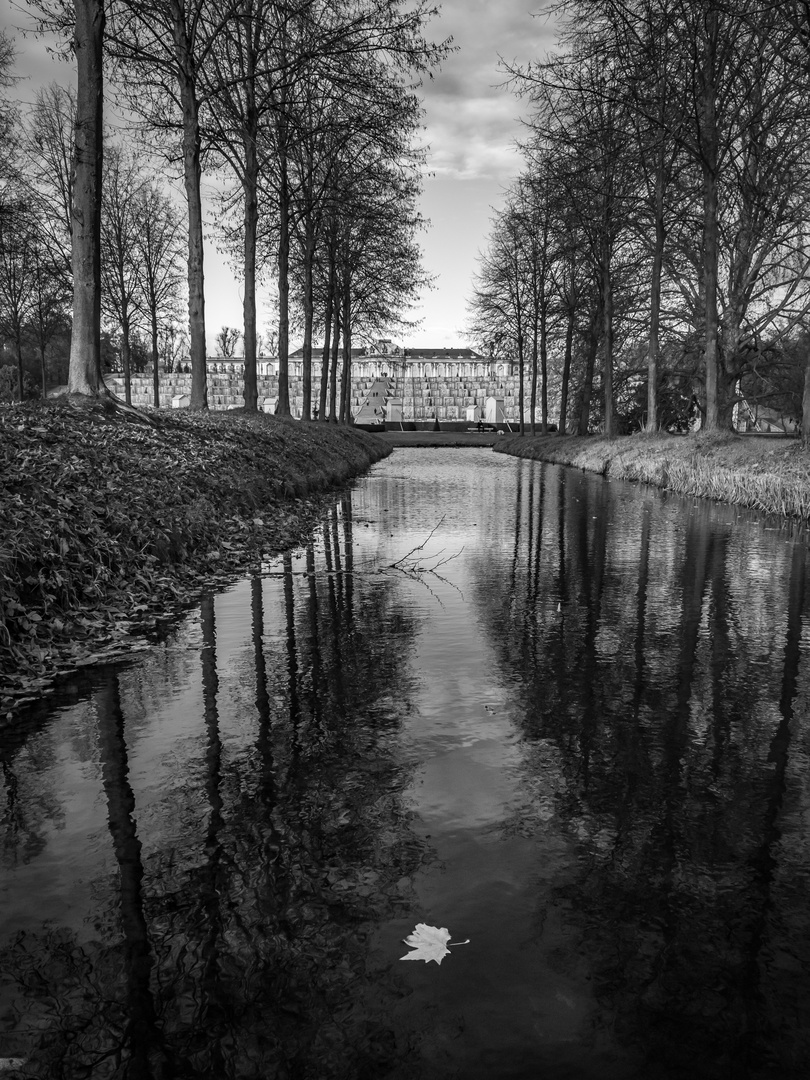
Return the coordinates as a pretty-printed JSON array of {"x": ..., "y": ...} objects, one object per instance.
[
  {"x": 767, "y": 474},
  {"x": 108, "y": 526}
]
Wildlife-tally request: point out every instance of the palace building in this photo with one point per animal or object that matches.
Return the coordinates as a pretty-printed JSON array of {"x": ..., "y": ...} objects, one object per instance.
[{"x": 389, "y": 384}]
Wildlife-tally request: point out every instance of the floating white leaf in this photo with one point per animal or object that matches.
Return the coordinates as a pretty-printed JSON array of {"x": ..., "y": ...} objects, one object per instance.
[{"x": 429, "y": 943}]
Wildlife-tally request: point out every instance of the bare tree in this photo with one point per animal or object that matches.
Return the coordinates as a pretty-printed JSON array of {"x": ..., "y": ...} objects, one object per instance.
[
  {"x": 688, "y": 117},
  {"x": 121, "y": 270},
  {"x": 160, "y": 241},
  {"x": 378, "y": 271},
  {"x": 49, "y": 313},
  {"x": 9, "y": 119},
  {"x": 245, "y": 77},
  {"x": 18, "y": 243},
  {"x": 162, "y": 46},
  {"x": 48, "y": 145},
  {"x": 85, "y": 344},
  {"x": 322, "y": 46},
  {"x": 501, "y": 304},
  {"x": 226, "y": 341}
]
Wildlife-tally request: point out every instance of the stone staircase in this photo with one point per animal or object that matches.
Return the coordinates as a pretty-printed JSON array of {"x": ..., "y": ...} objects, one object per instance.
[{"x": 372, "y": 408}]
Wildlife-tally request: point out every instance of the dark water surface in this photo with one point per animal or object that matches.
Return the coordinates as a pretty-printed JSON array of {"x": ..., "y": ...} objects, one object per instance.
[{"x": 582, "y": 743}]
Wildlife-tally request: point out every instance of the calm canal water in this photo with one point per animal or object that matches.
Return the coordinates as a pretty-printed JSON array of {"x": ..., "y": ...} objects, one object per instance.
[{"x": 564, "y": 718}]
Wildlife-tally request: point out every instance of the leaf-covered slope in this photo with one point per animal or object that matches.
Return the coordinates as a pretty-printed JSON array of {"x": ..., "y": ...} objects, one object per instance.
[{"x": 106, "y": 523}]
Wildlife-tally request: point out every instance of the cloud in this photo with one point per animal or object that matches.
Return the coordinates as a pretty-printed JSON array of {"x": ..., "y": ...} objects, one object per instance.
[
  {"x": 472, "y": 119},
  {"x": 474, "y": 137},
  {"x": 37, "y": 58}
]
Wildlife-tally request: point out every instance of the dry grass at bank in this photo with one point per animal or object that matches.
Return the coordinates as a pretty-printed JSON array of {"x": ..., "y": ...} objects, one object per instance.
[
  {"x": 109, "y": 526},
  {"x": 771, "y": 475}
]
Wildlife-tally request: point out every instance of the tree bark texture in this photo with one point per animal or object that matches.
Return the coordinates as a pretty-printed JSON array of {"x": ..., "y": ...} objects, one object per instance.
[
  {"x": 345, "y": 411},
  {"x": 590, "y": 363},
  {"x": 653, "y": 342},
  {"x": 806, "y": 403},
  {"x": 84, "y": 374},
  {"x": 192, "y": 173},
  {"x": 309, "y": 256},
  {"x": 250, "y": 191},
  {"x": 251, "y": 223},
  {"x": 283, "y": 286},
  {"x": 334, "y": 365},
  {"x": 544, "y": 365},
  {"x": 607, "y": 345},
  {"x": 155, "y": 371},
  {"x": 18, "y": 344},
  {"x": 126, "y": 361},
  {"x": 566, "y": 371},
  {"x": 533, "y": 390},
  {"x": 709, "y": 162},
  {"x": 327, "y": 338}
]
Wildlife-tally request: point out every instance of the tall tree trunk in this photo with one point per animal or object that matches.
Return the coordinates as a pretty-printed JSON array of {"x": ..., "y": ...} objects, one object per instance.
[
  {"x": 521, "y": 369},
  {"x": 283, "y": 283},
  {"x": 250, "y": 189},
  {"x": 533, "y": 389},
  {"x": 709, "y": 158},
  {"x": 544, "y": 365},
  {"x": 18, "y": 345},
  {"x": 590, "y": 363},
  {"x": 711, "y": 348},
  {"x": 126, "y": 361},
  {"x": 251, "y": 224},
  {"x": 806, "y": 404},
  {"x": 607, "y": 356},
  {"x": 192, "y": 173},
  {"x": 568, "y": 357},
  {"x": 334, "y": 365},
  {"x": 309, "y": 255},
  {"x": 43, "y": 372},
  {"x": 653, "y": 343},
  {"x": 84, "y": 375},
  {"x": 327, "y": 332},
  {"x": 345, "y": 411},
  {"x": 155, "y": 371},
  {"x": 566, "y": 371}
]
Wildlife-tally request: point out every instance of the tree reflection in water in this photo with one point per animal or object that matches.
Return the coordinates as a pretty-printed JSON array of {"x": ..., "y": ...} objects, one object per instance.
[
  {"x": 586, "y": 750},
  {"x": 232, "y": 938},
  {"x": 647, "y": 680}
]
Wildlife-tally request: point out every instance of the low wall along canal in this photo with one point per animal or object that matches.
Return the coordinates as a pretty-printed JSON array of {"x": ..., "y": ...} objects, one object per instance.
[{"x": 564, "y": 719}]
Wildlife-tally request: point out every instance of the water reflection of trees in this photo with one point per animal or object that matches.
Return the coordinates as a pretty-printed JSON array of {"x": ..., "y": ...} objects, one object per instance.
[
  {"x": 668, "y": 721},
  {"x": 242, "y": 950}
]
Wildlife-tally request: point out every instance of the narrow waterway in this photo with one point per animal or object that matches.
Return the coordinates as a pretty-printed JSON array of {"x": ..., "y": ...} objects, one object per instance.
[{"x": 563, "y": 718}]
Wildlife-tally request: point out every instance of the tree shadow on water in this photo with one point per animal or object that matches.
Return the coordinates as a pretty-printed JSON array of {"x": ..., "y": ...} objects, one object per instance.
[
  {"x": 235, "y": 938},
  {"x": 663, "y": 697}
]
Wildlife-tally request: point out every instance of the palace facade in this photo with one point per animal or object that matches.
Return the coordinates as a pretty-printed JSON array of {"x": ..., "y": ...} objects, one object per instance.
[
  {"x": 388, "y": 384},
  {"x": 385, "y": 358}
]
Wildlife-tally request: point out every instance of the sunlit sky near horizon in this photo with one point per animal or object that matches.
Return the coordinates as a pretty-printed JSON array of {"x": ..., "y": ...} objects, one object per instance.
[{"x": 471, "y": 124}]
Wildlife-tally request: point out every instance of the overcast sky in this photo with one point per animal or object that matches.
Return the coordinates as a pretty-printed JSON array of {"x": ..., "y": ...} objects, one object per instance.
[{"x": 471, "y": 125}]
